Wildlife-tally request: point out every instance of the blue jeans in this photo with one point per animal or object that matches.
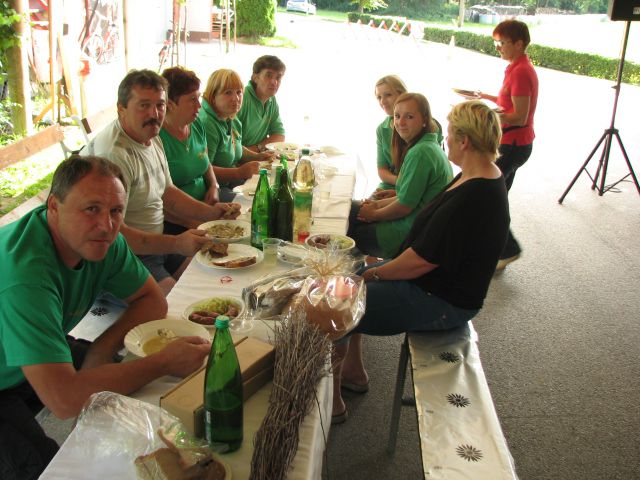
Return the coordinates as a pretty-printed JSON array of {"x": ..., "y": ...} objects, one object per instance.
[
  {"x": 398, "y": 306},
  {"x": 511, "y": 158},
  {"x": 364, "y": 233}
]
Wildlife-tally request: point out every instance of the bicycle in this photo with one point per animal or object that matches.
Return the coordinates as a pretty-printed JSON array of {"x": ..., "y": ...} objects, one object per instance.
[{"x": 167, "y": 48}]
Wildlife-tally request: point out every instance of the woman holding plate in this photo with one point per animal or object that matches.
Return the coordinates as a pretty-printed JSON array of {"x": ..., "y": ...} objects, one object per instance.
[
  {"x": 380, "y": 226},
  {"x": 441, "y": 277},
  {"x": 232, "y": 163},
  {"x": 517, "y": 100},
  {"x": 184, "y": 141}
]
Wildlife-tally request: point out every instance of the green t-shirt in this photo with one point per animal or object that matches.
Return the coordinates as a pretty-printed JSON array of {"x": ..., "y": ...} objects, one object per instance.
[
  {"x": 384, "y": 133},
  {"x": 258, "y": 119},
  {"x": 188, "y": 160},
  {"x": 224, "y": 137},
  {"x": 41, "y": 299},
  {"x": 424, "y": 173}
]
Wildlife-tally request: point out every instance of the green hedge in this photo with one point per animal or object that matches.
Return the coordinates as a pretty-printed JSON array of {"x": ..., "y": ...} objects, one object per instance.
[
  {"x": 563, "y": 60},
  {"x": 256, "y": 17},
  {"x": 365, "y": 18}
]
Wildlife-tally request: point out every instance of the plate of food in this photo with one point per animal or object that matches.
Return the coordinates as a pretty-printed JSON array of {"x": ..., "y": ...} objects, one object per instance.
[
  {"x": 205, "y": 311},
  {"x": 151, "y": 337},
  {"x": 228, "y": 256},
  {"x": 289, "y": 150},
  {"x": 227, "y": 231},
  {"x": 467, "y": 93},
  {"x": 340, "y": 243}
]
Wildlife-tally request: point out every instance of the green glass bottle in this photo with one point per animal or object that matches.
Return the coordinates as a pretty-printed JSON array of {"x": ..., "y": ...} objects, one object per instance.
[
  {"x": 223, "y": 392},
  {"x": 283, "y": 209},
  {"x": 261, "y": 211}
]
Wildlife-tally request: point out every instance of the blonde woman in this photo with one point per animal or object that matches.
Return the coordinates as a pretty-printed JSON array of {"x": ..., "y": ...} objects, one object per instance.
[
  {"x": 387, "y": 90},
  {"x": 221, "y": 102},
  {"x": 380, "y": 226},
  {"x": 440, "y": 278}
]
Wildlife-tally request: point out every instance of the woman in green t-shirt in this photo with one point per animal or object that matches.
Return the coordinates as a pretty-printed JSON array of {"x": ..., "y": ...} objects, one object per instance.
[
  {"x": 387, "y": 90},
  {"x": 184, "y": 142},
  {"x": 232, "y": 163},
  {"x": 380, "y": 226}
]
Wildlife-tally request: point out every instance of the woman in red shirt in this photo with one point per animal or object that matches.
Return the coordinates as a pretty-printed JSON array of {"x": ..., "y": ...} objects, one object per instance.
[{"x": 517, "y": 100}]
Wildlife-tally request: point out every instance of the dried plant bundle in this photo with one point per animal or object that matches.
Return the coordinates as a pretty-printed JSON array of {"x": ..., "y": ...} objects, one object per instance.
[{"x": 302, "y": 353}]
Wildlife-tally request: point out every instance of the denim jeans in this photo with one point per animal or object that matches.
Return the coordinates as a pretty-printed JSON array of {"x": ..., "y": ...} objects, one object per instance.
[
  {"x": 511, "y": 158},
  {"x": 398, "y": 306},
  {"x": 363, "y": 233}
]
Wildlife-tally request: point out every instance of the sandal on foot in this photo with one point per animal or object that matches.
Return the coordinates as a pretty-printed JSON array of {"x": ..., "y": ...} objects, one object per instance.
[
  {"x": 339, "y": 418},
  {"x": 354, "y": 387}
]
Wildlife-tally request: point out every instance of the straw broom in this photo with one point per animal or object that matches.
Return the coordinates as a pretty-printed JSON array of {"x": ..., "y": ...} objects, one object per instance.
[{"x": 301, "y": 361}]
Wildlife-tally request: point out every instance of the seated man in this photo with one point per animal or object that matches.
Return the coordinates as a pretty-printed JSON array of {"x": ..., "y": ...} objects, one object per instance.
[
  {"x": 260, "y": 115},
  {"x": 55, "y": 261},
  {"x": 132, "y": 142}
]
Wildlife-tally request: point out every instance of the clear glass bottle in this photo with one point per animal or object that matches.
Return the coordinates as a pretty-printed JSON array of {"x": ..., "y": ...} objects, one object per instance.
[
  {"x": 261, "y": 211},
  {"x": 303, "y": 183},
  {"x": 223, "y": 392}
]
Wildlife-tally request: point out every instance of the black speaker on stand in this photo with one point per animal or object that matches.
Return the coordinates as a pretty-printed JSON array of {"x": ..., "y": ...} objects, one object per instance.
[{"x": 627, "y": 10}]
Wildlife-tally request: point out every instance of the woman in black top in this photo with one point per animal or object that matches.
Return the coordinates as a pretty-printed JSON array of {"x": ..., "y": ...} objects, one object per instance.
[{"x": 440, "y": 278}]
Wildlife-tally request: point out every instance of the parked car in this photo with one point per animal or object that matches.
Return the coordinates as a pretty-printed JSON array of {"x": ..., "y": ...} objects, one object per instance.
[{"x": 304, "y": 6}]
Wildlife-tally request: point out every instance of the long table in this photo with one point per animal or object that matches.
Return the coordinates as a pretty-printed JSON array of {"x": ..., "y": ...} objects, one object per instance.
[{"x": 198, "y": 282}]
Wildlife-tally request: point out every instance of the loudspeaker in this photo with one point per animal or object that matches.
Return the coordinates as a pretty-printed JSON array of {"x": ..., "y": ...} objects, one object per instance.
[{"x": 628, "y": 10}]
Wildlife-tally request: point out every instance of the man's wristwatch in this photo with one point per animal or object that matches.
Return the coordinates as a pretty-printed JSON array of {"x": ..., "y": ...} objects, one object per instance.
[{"x": 374, "y": 274}]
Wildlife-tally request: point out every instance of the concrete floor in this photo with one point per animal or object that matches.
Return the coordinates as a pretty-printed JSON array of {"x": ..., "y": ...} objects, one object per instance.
[{"x": 559, "y": 328}]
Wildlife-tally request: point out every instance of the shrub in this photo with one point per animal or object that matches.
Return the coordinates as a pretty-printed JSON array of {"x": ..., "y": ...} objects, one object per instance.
[
  {"x": 563, "y": 60},
  {"x": 256, "y": 17},
  {"x": 365, "y": 18}
]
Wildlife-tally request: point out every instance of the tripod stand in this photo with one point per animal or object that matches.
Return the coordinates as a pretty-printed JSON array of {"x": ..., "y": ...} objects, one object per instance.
[{"x": 607, "y": 138}]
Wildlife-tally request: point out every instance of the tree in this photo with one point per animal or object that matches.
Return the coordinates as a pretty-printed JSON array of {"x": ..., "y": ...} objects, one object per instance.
[{"x": 369, "y": 5}]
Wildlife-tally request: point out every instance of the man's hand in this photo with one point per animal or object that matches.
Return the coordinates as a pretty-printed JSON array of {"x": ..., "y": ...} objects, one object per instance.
[
  {"x": 227, "y": 210},
  {"x": 189, "y": 242},
  {"x": 185, "y": 355},
  {"x": 249, "y": 169}
]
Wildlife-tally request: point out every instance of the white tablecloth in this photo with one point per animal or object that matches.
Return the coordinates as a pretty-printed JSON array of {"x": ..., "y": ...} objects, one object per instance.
[{"x": 200, "y": 282}]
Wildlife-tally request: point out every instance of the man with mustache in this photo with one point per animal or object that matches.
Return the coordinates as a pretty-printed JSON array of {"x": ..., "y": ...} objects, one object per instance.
[
  {"x": 132, "y": 142},
  {"x": 56, "y": 259},
  {"x": 260, "y": 114}
]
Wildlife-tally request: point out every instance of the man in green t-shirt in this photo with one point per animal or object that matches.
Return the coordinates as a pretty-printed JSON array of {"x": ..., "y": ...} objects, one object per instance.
[
  {"x": 260, "y": 114},
  {"x": 55, "y": 262}
]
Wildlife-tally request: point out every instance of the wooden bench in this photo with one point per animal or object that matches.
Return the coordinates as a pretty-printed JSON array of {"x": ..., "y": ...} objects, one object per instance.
[
  {"x": 31, "y": 145},
  {"x": 23, "y": 149},
  {"x": 92, "y": 123},
  {"x": 460, "y": 435}
]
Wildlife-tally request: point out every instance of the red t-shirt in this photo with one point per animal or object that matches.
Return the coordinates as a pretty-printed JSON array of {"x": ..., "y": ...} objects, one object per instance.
[{"x": 520, "y": 80}]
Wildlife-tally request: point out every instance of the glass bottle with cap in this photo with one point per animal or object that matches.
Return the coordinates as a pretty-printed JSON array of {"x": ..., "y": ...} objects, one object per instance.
[
  {"x": 261, "y": 211},
  {"x": 223, "y": 392},
  {"x": 303, "y": 183}
]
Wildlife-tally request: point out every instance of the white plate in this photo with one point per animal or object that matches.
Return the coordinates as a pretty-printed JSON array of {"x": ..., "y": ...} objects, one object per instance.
[
  {"x": 466, "y": 93},
  {"x": 348, "y": 241},
  {"x": 137, "y": 336},
  {"x": 246, "y": 230},
  {"x": 285, "y": 147},
  {"x": 194, "y": 307},
  {"x": 236, "y": 250},
  {"x": 246, "y": 190},
  {"x": 293, "y": 254}
]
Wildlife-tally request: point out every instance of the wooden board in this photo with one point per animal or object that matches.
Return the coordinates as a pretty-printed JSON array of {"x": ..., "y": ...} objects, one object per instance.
[{"x": 26, "y": 147}]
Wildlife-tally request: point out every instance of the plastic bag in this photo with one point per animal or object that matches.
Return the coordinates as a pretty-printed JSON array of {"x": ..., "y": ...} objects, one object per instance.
[
  {"x": 112, "y": 431},
  {"x": 326, "y": 290}
]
